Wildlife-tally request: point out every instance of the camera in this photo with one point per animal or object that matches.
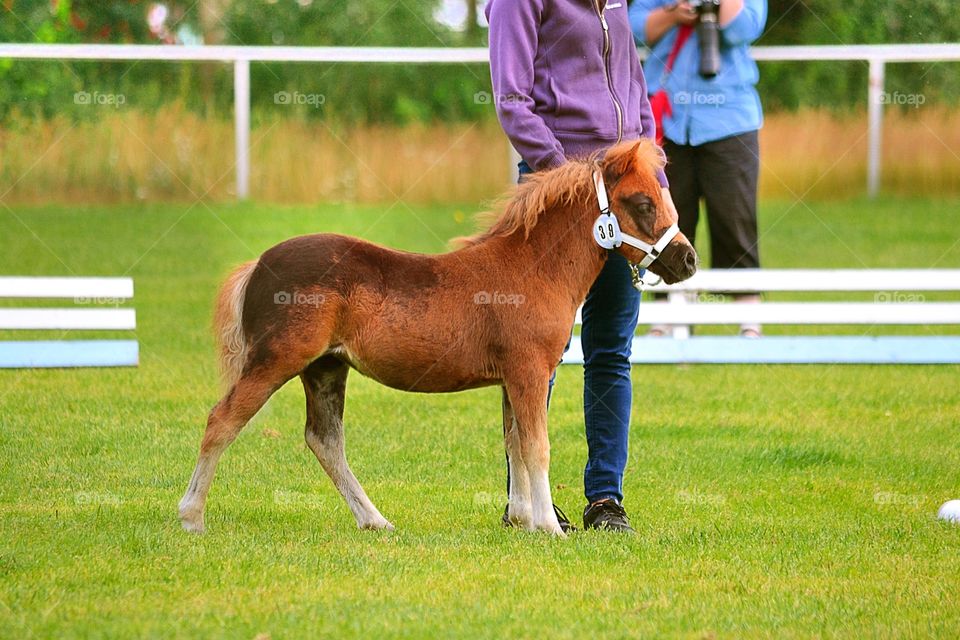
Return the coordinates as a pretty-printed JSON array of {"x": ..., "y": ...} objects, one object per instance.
[{"x": 708, "y": 33}]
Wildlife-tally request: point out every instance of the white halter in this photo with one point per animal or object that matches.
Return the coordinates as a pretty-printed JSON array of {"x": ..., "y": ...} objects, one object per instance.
[{"x": 607, "y": 233}]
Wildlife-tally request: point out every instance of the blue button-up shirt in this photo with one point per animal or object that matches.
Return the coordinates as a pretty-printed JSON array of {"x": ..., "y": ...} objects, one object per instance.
[{"x": 706, "y": 110}]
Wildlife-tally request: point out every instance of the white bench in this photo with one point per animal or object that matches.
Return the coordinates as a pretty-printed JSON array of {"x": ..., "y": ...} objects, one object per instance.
[
  {"x": 898, "y": 300},
  {"x": 96, "y": 293}
]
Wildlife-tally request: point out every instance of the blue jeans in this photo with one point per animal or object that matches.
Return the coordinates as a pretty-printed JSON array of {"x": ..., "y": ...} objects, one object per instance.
[{"x": 609, "y": 322}]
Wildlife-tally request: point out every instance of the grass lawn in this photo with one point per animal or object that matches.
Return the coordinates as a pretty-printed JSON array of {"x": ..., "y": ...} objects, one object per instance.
[{"x": 781, "y": 501}]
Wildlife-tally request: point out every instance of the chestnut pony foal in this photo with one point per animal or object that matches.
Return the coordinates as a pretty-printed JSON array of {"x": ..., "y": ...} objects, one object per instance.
[{"x": 315, "y": 306}]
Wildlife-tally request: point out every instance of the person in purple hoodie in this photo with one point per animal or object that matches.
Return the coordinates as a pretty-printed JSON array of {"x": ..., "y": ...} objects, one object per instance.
[{"x": 567, "y": 82}]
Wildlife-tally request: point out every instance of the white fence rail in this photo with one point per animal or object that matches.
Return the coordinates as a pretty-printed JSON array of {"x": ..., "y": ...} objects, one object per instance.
[
  {"x": 896, "y": 303},
  {"x": 96, "y": 291},
  {"x": 876, "y": 56}
]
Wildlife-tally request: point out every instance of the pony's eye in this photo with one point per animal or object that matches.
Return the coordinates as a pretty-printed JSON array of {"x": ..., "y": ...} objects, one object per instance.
[{"x": 641, "y": 205}]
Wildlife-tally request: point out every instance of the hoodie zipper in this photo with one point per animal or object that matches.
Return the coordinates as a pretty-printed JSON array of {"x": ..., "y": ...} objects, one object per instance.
[{"x": 606, "y": 68}]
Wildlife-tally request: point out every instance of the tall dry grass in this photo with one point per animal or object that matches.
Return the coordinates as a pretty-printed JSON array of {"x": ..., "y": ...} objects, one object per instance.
[
  {"x": 821, "y": 155},
  {"x": 174, "y": 154}
]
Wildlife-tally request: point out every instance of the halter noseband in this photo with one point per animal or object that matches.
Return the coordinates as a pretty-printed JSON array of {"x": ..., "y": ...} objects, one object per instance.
[{"x": 607, "y": 234}]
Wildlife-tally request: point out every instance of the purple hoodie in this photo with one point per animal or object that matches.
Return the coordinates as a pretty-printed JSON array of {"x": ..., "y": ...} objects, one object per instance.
[{"x": 567, "y": 80}]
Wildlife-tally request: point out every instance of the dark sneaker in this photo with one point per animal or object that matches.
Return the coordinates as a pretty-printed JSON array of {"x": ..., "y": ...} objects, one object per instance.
[
  {"x": 565, "y": 525},
  {"x": 607, "y": 515}
]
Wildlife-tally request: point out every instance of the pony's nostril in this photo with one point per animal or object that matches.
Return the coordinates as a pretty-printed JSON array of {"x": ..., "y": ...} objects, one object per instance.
[{"x": 690, "y": 260}]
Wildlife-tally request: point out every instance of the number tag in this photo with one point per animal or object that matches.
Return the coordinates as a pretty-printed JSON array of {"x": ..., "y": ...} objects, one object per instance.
[{"x": 606, "y": 232}]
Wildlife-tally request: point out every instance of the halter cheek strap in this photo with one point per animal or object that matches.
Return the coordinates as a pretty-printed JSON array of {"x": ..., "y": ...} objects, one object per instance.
[{"x": 607, "y": 233}]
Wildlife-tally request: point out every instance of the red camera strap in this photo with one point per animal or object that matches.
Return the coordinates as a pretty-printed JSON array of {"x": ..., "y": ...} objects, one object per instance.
[
  {"x": 682, "y": 36},
  {"x": 660, "y": 101}
]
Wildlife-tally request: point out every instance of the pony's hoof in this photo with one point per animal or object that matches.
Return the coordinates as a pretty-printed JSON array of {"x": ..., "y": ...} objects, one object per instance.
[
  {"x": 552, "y": 529},
  {"x": 521, "y": 518},
  {"x": 190, "y": 519},
  {"x": 192, "y": 526},
  {"x": 549, "y": 524},
  {"x": 378, "y": 525}
]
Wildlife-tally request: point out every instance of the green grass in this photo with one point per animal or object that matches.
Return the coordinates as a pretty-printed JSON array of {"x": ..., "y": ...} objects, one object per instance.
[{"x": 769, "y": 501}]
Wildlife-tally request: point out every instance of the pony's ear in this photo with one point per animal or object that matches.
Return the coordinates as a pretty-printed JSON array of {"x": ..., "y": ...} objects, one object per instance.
[
  {"x": 620, "y": 160},
  {"x": 626, "y": 156}
]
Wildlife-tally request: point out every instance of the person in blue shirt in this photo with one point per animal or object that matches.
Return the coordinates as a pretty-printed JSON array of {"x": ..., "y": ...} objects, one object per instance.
[{"x": 710, "y": 132}]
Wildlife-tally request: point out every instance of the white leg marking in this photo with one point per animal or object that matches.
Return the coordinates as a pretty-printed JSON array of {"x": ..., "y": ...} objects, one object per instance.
[
  {"x": 519, "y": 508},
  {"x": 332, "y": 458},
  {"x": 194, "y": 500},
  {"x": 544, "y": 517}
]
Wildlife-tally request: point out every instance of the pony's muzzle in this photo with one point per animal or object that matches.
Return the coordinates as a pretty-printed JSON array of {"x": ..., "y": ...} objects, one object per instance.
[{"x": 677, "y": 262}]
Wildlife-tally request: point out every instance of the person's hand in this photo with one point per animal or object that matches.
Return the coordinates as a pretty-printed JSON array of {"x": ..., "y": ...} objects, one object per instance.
[
  {"x": 662, "y": 20},
  {"x": 668, "y": 203},
  {"x": 684, "y": 14}
]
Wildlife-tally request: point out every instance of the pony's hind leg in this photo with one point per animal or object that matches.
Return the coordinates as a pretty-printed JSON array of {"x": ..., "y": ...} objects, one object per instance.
[
  {"x": 528, "y": 397},
  {"x": 225, "y": 421},
  {"x": 324, "y": 383}
]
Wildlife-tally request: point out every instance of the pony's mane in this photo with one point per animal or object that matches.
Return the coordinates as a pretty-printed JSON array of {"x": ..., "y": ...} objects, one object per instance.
[
  {"x": 568, "y": 184},
  {"x": 562, "y": 186}
]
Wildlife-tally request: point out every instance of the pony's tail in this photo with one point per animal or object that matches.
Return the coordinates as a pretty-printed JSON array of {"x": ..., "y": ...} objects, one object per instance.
[{"x": 228, "y": 326}]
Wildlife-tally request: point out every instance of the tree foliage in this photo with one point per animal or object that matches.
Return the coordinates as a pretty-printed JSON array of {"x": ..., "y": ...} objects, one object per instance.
[
  {"x": 405, "y": 93},
  {"x": 844, "y": 84},
  {"x": 394, "y": 93}
]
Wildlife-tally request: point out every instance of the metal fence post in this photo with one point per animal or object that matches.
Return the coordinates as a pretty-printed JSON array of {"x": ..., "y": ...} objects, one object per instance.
[
  {"x": 876, "y": 99},
  {"x": 241, "y": 113}
]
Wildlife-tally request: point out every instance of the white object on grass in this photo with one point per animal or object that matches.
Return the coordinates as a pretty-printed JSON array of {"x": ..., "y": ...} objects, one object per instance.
[{"x": 950, "y": 511}]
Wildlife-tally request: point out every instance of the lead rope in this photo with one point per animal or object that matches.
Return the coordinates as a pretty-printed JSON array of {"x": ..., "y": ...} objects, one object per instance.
[{"x": 640, "y": 278}]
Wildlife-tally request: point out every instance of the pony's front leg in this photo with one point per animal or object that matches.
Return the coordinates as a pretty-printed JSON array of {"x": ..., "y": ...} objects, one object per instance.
[
  {"x": 528, "y": 398},
  {"x": 519, "y": 506}
]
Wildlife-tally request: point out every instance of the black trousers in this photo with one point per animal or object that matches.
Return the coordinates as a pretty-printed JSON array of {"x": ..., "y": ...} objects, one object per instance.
[{"x": 724, "y": 174}]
